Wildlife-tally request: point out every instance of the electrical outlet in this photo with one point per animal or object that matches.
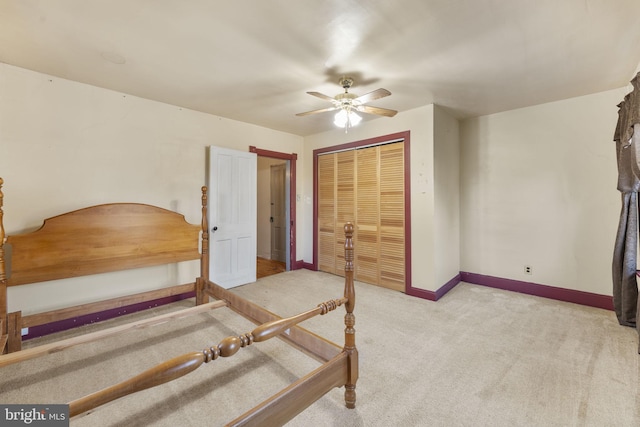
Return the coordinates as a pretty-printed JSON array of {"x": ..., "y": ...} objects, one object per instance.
[{"x": 528, "y": 269}]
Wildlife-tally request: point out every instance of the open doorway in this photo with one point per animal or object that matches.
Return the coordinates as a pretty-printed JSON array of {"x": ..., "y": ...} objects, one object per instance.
[
  {"x": 272, "y": 216},
  {"x": 275, "y": 212}
]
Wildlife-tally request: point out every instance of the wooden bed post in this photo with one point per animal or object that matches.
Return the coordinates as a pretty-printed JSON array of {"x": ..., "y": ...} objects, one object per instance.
[
  {"x": 3, "y": 279},
  {"x": 350, "y": 319},
  {"x": 204, "y": 256}
]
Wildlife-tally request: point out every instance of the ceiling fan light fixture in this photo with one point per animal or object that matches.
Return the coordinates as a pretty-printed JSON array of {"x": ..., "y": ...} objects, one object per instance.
[
  {"x": 345, "y": 118},
  {"x": 346, "y": 104}
]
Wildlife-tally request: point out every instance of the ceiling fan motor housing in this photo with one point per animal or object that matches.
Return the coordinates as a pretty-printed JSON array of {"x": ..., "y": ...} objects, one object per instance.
[
  {"x": 346, "y": 82},
  {"x": 345, "y": 98}
]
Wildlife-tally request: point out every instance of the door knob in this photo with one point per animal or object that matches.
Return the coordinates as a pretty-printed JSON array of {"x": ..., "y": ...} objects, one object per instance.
[{"x": 214, "y": 228}]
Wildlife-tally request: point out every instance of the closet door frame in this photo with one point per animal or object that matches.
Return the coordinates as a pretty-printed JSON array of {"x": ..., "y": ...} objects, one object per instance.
[{"x": 381, "y": 140}]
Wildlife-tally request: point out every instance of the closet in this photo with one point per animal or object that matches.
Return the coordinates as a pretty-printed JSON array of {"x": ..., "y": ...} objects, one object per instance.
[{"x": 366, "y": 186}]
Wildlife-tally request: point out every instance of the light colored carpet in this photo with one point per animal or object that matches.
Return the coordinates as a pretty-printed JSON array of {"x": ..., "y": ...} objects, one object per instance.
[{"x": 477, "y": 357}]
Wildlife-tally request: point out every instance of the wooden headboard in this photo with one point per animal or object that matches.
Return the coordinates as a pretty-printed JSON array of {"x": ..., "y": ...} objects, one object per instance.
[{"x": 100, "y": 239}]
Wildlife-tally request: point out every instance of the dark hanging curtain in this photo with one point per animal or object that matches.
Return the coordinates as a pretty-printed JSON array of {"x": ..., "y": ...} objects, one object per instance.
[{"x": 627, "y": 139}]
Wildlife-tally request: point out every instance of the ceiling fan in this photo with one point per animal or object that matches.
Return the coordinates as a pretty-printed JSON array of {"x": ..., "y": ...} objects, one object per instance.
[{"x": 348, "y": 103}]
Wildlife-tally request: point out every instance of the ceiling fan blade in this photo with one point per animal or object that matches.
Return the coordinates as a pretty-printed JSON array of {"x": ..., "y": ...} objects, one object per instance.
[
  {"x": 371, "y": 96},
  {"x": 376, "y": 110},
  {"x": 323, "y": 110},
  {"x": 322, "y": 96}
]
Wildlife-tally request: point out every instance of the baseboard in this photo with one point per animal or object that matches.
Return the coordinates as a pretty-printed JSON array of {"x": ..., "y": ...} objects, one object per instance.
[
  {"x": 535, "y": 289},
  {"x": 63, "y": 325},
  {"x": 307, "y": 265},
  {"x": 420, "y": 293},
  {"x": 545, "y": 291},
  {"x": 431, "y": 295}
]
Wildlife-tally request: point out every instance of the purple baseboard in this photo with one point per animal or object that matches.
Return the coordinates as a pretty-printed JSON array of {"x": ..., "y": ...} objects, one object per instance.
[
  {"x": 298, "y": 265},
  {"x": 420, "y": 293},
  {"x": 308, "y": 266},
  {"x": 431, "y": 295},
  {"x": 545, "y": 291},
  {"x": 63, "y": 325}
]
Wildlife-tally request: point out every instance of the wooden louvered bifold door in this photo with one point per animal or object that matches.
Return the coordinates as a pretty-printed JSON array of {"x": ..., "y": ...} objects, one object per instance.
[
  {"x": 326, "y": 214},
  {"x": 365, "y": 186},
  {"x": 345, "y": 202},
  {"x": 391, "y": 260},
  {"x": 368, "y": 208}
]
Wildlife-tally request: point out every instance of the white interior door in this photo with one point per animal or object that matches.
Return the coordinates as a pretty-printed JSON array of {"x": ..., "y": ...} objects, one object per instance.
[{"x": 232, "y": 216}]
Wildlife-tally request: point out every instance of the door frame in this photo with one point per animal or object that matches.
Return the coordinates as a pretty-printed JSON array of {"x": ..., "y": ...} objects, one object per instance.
[
  {"x": 291, "y": 157},
  {"x": 400, "y": 136}
]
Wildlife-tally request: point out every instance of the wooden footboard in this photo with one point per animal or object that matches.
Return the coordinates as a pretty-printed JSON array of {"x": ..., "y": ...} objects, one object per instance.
[
  {"x": 340, "y": 370},
  {"x": 182, "y": 365}
]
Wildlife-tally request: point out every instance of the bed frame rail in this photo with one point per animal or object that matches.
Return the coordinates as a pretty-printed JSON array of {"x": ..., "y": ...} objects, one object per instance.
[
  {"x": 285, "y": 405},
  {"x": 45, "y": 349}
]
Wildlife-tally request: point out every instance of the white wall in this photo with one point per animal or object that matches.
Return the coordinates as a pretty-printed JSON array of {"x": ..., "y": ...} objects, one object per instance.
[
  {"x": 539, "y": 188},
  {"x": 65, "y": 145},
  {"x": 420, "y": 122},
  {"x": 447, "y": 196}
]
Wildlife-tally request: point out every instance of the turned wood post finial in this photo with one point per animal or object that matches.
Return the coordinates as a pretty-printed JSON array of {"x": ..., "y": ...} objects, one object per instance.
[
  {"x": 205, "y": 227},
  {"x": 204, "y": 254},
  {"x": 2, "y": 236},
  {"x": 205, "y": 223},
  {"x": 1, "y": 214},
  {"x": 349, "y": 291},
  {"x": 3, "y": 273},
  {"x": 204, "y": 195},
  {"x": 1, "y": 202},
  {"x": 349, "y": 318}
]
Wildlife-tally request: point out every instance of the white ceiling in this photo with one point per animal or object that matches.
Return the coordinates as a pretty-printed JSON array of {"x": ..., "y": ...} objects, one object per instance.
[{"x": 253, "y": 60}]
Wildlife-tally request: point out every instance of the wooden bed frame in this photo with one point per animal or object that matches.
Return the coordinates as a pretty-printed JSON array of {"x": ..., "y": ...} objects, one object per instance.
[{"x": 120, "y": 236}]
